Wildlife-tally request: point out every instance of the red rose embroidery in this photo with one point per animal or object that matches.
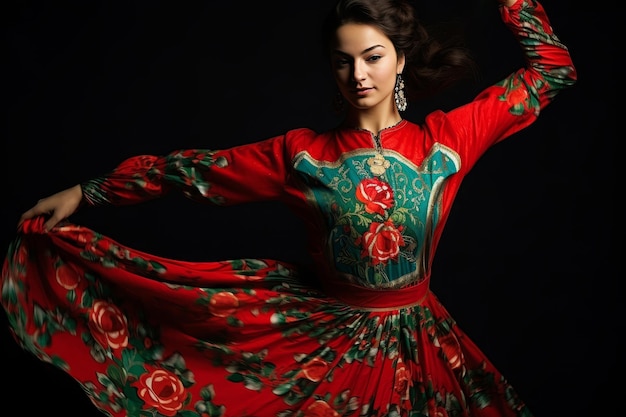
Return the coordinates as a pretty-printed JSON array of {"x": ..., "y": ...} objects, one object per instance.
[
  {"x": 223, "y": 304},
  {"x": 382, "y": 242},
  {"x": 108, "y": 325},
  {"x": 377, "y": 195},
  {"x": 320, "y": 408},
  {"x": 162, "y": 390}
]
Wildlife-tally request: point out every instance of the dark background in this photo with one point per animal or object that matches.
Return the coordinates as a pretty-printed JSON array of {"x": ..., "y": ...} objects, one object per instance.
[{"x": 527, "y": 264}]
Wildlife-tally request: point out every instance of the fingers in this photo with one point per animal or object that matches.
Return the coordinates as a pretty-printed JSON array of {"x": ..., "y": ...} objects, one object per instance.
[
  {"x": 51, "y": 222},
  {"x": 43, "y": 206},
  {"x": 59, "y": 206},
  {"x": 34, "y": 211},
  {"x": 54, "y": 218}
]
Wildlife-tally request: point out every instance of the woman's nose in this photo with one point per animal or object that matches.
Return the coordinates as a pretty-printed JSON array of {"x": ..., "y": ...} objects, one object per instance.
[{"x": 358, "y": 72}]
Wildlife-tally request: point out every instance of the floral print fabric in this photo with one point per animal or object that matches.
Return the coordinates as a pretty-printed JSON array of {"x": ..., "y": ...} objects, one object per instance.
[
  {"x": 165, "y": 338},
  {"x": 149, "y": 336}
]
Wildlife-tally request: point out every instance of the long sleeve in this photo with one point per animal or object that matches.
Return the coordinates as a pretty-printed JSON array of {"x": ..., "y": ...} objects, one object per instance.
[
  {"x": 549, "y": 65},
  {"x": 258, "y": 171},
  {"x": 243, "y": 173},
  {"x": 516, "y": 101}
]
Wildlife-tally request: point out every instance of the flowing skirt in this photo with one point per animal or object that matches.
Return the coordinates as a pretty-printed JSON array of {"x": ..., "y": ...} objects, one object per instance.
[{"x": 150, "y": 336}]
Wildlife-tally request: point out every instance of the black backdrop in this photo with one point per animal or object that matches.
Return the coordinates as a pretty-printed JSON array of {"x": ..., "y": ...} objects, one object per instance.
[{"x": 526, "y": 264}]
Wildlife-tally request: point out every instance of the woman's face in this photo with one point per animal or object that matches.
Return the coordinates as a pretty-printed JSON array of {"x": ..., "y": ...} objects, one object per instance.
[{"x": 365, "y": 65}]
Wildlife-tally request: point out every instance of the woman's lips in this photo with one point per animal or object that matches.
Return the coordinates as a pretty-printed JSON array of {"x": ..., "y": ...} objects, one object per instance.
[{"x": 363, "y": 91}]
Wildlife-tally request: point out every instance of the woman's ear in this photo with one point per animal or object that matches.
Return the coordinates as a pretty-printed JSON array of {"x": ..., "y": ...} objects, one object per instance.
[{"x": 401, "y": 62}]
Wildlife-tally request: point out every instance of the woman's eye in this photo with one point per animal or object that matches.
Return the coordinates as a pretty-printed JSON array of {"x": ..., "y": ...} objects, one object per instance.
[{"x": 374, "y": 58}]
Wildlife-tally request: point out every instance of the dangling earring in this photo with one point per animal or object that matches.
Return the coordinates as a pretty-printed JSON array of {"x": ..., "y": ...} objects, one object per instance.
[
  {"x": 398, "y": 94},
  {"x": 338, "y": 103}
]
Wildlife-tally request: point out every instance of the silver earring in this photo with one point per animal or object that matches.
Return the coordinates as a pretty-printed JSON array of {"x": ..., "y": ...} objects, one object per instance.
[{"x": 398, "y": 94}]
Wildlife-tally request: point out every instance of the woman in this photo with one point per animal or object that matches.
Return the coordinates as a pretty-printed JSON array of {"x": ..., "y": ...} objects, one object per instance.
[{"x": 146, "y": 335}]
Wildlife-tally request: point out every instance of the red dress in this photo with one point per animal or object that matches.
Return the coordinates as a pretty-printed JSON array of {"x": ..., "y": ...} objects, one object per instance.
[{"x": 150, "y": 336}]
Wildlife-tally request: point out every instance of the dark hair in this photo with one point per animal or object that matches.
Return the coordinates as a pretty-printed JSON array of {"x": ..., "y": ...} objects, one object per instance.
[{"x": 431, "y": 65}]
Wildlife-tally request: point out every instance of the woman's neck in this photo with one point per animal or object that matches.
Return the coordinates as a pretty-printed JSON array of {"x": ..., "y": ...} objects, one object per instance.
[{"x": 372, "y": 121}]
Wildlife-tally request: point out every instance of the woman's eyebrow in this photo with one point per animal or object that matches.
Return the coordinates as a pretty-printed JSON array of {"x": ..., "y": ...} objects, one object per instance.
[{"x": 338, "y": 51}]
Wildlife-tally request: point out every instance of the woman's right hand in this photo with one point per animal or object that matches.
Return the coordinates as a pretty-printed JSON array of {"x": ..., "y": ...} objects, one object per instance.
[{"x": 58, "y": 206}]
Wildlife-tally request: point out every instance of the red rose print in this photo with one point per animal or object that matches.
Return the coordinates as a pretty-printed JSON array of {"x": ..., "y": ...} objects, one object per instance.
[
  {"x": 67, "y": 277},
  {"x": 223, "y": 304},
  {"x": 451, "y": 350},
  {"x": 320, "y": 408},
  {"x": 517, "y": 96},
  {"x": 162, "y": 390},
  {"x": 143, "y": 162},
  {"x": 402, "y": 381},
  {"x": 108, "y": 325},
  {"x": 382, "y": 242},
  {"x": 314, "y": 370},
  {"x": 377, "y": 195},
  {"x": 138, "y": 167},
  {"x": 84, "y": 237}
]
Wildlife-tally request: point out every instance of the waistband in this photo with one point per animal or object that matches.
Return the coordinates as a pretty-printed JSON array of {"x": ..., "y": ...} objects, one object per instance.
[{"x": 378, "y": 299}]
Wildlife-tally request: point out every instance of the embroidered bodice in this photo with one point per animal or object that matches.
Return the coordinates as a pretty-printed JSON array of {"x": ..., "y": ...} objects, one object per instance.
[{"x": 379, "y": 228}]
